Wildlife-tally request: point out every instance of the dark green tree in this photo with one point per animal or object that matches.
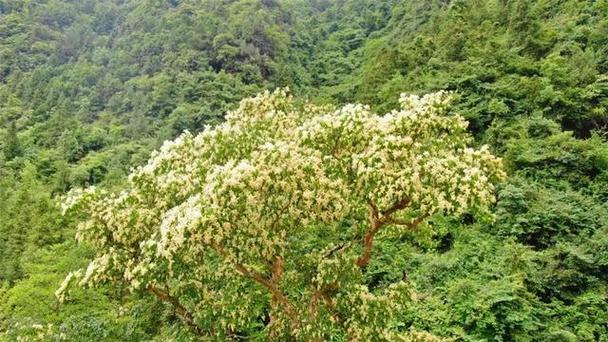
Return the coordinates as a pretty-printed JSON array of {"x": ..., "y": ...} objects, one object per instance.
[{"x": 12, "y": 147}]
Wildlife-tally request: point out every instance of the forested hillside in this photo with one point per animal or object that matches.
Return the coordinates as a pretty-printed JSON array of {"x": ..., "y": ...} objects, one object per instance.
[{"x": 89, "y": 88}]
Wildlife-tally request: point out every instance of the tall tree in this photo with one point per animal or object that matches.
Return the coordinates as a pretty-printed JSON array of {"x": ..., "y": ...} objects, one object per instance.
[
  {"x": 12, "y": 146},
  {"x": 276, "y": 212}
]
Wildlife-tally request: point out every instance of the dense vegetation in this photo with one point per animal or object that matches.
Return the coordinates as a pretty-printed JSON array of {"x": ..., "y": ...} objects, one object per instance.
[
  {"x": 89, "y": 88},
  {"x": 268, "y": 221}
]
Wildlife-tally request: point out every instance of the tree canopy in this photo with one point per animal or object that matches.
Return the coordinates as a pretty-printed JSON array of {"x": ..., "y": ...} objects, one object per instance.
[
  {"x": 89, "y": 88},
  {"x": 210, "y": 216}
]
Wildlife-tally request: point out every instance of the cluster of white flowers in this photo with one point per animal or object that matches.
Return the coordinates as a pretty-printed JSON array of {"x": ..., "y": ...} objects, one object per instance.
[
  {"x": 370, "y": 315},
  {"x": 74, "y": 197},
  {"x": 233, "y": 199},
  {"x": 417, "y": 153},
  {"x": 256, "y": 203},
  {"x": 61, "y": 291},
  {"x": 176, "y": 223}
]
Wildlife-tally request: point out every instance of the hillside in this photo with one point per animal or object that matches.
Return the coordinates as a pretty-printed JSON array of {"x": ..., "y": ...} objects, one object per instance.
[{"x": 89, "y": 88}]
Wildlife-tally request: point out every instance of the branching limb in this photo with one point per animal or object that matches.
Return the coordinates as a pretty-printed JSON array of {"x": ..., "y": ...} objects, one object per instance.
[
  {"x": 183, "y": 314},
  {"x": 321, "y": 294},
  {"x": 413, "y": 224},
  {"x": 402, "y": 204},
  {"x": 377, "y": 220},
  {"x": 332, "y": 309},
  {"x": 270, "y": 284}
]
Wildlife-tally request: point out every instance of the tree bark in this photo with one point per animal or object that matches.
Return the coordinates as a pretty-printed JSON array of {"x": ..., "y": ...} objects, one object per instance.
[
  {"x": 183, "y": 314},
  {"x": 270, "y": 284},
  {"x": 377, "y": 220}
]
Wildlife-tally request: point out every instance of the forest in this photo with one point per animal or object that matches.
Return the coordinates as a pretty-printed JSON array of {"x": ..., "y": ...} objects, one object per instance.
[{"x": 303, "y": 170}]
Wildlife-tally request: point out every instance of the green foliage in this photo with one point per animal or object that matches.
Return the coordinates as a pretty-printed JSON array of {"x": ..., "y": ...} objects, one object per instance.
[
  {"x": 211, "y": 215},
  {"x": 37, "y": 228},
  {"x": 12, "y": 146},
  {"x": 88, "y": 88},
  {"x": 541, "y": 216},
  {"x": 506, "y": 59}
]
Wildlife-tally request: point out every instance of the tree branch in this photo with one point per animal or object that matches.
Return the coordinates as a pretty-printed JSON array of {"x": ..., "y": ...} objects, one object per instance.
[
  {"x": 276, "y": 271},
  {"x": 341, "y": 247},
  {"x": 413, "y": 224},
  {"x": 273, "y": 288},
  {"x": 332, "y": 308},
  {"x": 368, "y": 240},
  {"x": 183, "y": 314},
  {"x": 377, "y": 220},
  {"x": 402, "y": 204},
  {"x": 317, "y": 295}
]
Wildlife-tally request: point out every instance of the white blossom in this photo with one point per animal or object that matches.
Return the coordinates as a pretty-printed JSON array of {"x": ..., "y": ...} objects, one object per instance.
[{"x": 215, "y": 212}]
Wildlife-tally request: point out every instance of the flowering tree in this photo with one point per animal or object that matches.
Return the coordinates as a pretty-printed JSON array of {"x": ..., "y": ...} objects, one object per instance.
[{"x": 271, "y": 217}]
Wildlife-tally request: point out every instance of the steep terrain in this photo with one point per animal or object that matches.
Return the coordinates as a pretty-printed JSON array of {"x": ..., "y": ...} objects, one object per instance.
[{"x": 88, "y": 88}]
